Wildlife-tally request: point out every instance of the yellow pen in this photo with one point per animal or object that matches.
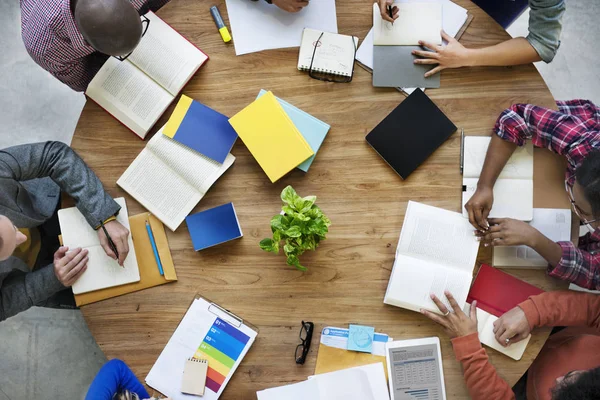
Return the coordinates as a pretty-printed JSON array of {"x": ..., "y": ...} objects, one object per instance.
[{"x": 214, "y": 11}]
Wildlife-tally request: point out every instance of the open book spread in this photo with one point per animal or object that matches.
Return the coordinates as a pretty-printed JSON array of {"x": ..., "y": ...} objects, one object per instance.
[
  {"x": 416, "y": 21},
  {"x": 102, "y": 271},
  {"x": 554, "y": 223},
  {"x": 513, "y": 191},
  {"x": 138, "y": 90},
  {"x": 436, "y": 252},
  {"x": 169, "y": 179},
  {"x": 334, "y": 53}
]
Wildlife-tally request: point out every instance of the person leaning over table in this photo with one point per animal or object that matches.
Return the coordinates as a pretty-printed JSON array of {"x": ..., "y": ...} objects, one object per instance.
[
  {"x": 541, "y": 44},
  {"x": 574, "y": 132},
  {"x": 32, "y": 177},
  {"x": 72, "y": 39},
  {"x": 288, "y": 5},
  {"x": 567, "y": 367}
]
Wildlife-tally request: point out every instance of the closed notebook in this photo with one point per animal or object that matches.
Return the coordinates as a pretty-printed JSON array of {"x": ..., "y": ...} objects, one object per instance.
[
  {"x": 271, "y": 136},
  {"x": 201, "y": 128},
  {"x": 312, "y": 129},
  {"x": 194, "y": 376},
  {"x": 410, "y": 133},
  {"x": 213, "y": 226}
]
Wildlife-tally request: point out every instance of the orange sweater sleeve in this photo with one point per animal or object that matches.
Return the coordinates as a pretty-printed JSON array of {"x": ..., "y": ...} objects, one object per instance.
[
  {"x": 481, "y": 377},
  {"x": 562, "y": 308}
]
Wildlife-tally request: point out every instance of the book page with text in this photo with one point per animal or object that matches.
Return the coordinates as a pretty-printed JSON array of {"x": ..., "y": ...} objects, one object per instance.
[
  {"x": 166, "y": 56},
  {"x": 128, "y": 94},
  {"x": 439, "y": 236}
]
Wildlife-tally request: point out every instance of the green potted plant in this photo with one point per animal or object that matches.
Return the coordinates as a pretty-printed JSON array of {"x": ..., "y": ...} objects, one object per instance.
[{"x": 301, "y": 226}]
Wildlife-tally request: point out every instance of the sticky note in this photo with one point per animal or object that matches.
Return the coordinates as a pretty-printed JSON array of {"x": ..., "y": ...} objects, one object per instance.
[{"x": 360, "y": 338}]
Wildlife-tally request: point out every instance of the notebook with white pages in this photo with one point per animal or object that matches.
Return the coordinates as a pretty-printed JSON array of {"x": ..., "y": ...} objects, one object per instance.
[
  {"x": 513, "y": 191},
  {"x": 416, "y": 21},
  {"x": 436, "y": 252},
  {"x": 169, "y": 178},
  {"x": 102, "y": 271},
  {"x": 334, "y": 53}
]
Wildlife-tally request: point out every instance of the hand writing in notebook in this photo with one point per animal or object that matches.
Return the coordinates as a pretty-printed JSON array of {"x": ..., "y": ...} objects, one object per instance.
[
  {"x": 456, "y": 323},
  {"x": 383, "y": 8},
  {"x": 119, "y": 234}
]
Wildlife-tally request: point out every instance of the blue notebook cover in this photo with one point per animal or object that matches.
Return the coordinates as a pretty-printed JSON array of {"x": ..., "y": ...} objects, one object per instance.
[
  {"x": 206, "y": 131},
  {"x": 313, "y": 130},
  {"x": 213, "y": 226}
]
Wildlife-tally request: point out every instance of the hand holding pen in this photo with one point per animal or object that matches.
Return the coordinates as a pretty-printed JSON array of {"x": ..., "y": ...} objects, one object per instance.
[
  {"x": 388, "y": 11},
  {"x": 113, "y": 239}
]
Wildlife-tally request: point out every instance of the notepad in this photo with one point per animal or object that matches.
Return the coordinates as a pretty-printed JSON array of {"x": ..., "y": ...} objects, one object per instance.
[
  {"x": 334, "y": 53},
  {"x": 201, "y": 128},
  {"x": 271, "y": 136},
  {"x": 406, "y": 137},
  {"x": 102, "y": 271},
  {"x": 312, "y": 129},
  {"x": 415, "y": 22},
  {"x": 213, "y": 226},
  {"x": 194, "y": 376}
]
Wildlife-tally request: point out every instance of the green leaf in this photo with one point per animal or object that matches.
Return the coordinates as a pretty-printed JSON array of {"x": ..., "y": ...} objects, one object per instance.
[
  {"x": 289, "y": 195},
  {"x": 277, "y": 236},
  {"x": 269, "y": 245},
  {"x": 289, "y": 249},
  {"x": 293, "y": 231},
  {"x": 277, "y": 223},
  {"x": 308, "y": 202},
  {"x": 293, "y": 260}
]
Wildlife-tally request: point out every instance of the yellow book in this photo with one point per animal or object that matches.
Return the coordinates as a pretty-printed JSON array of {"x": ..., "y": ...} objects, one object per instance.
[{"x": 271, "y": 136}]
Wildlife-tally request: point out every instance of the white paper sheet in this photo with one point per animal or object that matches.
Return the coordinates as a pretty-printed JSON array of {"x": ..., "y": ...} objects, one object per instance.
[
  {"x": 416, "y": 21},
  {"x": 257, "y": 25}
]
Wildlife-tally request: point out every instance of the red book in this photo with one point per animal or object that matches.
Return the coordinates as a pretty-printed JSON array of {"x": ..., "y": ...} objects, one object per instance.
[{"x": 498, "y": 292}]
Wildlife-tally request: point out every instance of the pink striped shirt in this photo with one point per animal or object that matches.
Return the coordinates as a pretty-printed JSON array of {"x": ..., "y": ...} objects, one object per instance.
[{"x": 53, "y": 41}]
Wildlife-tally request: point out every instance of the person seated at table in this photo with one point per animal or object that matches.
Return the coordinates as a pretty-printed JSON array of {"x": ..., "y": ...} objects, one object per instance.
[
  {"x": 72, "y": 39},
  {"x": 32, "y": 177},
  {"x": 541, "y": 44},
  {"x": 565, "y": 369},
  {"x": 288, "y": 5},
  {"x": 115, "y": 381},
  {"x": 572, "y": 131}
]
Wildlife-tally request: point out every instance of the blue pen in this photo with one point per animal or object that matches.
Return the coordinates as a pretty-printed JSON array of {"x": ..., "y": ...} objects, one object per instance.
[{"x": 151, "y": 236}]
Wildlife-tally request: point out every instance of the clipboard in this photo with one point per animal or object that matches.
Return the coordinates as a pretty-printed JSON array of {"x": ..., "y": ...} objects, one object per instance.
[
  {"x": 207, "y": 331},
  {"x": 149, "y": 275}
]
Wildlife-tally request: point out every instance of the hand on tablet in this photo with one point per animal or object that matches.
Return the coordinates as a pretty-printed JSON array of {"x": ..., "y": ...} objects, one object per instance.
[
  {"x": 291, "y": 5},
  {"x": 456, "y": 323},
  {"x": 452, "y": 55},
  {"x": 479, "y": 207},
  {"x": 383, "y": 8},
  {"x": 513, "y": 325},
  {"x": 507, "y": 232}
]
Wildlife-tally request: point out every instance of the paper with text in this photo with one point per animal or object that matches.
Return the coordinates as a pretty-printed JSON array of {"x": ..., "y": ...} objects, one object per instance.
[{"x": 334, "y": 53}]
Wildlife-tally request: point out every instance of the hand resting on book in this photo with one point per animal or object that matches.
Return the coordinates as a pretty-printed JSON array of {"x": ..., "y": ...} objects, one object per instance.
[{"x": 512, "y": 327}]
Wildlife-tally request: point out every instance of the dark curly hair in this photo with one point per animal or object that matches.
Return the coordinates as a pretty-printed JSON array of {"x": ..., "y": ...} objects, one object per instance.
[{"x": 584, "y": 387}]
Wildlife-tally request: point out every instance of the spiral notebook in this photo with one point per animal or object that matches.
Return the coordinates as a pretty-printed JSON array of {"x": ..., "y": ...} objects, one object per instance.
[{"x": 334, "y": 53}]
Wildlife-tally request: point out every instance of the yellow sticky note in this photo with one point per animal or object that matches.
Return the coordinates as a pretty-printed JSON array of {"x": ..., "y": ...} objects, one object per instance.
[{"x": 178, "y": 114}]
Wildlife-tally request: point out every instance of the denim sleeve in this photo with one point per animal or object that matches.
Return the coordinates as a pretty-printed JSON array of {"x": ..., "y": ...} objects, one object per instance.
[
  {"x": 115, "y": 376},
  {"x": 545, "y": 25}
]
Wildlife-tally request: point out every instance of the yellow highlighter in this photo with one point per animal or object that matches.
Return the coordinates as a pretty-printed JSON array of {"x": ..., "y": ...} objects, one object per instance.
[{"x": 214, "y": 11}]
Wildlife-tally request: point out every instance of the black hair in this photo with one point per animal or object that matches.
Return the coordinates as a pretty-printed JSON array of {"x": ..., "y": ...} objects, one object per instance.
[
  {"x": 584, "y": 387},
  {"x": 588, "y": 176}
]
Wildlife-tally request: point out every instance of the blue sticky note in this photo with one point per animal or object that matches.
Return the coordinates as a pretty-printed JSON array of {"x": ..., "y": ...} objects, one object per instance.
[
  {"x": 312, "y": 129},
  {"x": 206, "y": 131},
  {"x": 213, "y": 226},
  {"x": 360, "y": 338}
]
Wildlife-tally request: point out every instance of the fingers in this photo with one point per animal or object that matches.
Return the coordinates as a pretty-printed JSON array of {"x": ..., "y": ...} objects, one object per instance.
[
  {"x": 426, "y": 61},
  {"x": 74, "y": 274},
  {"x": 447, "y": 37},
  {"x": 473, "y": 311},
  {"x": 428, "y": 45},
  {"x": 123, "y": 249},
  {"x": 443, "y": 309},
  {"x": 383, "y": 5},
  {"x": 426, "y": 54},
  {"x": 434, "y": 71},
  {"x": 496, "y": 221},
  {"x": 435, "y": 318},
  {"x": 469, "y": 209},
  {"x": 481, "y": 222},
  {"x": 75, "y": 260},
  {"x": 60, "y": 253},
  {"x": 518, "y": 337},
  {"x": 507, "y": 334},
  {"x": 107, "y": 249},
  {"x": 68, "y": 257},
  {"x": 453, "y": 303}
]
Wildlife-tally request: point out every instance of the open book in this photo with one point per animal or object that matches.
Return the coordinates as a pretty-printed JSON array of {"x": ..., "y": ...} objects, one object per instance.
[
  {"x": 102, "y": 271},
  {"x": 169, "y": 179},
  {"x": 436, "y": 252},
  {"x": 513, "y": 191},
  {"x": 137, "y": 91}
]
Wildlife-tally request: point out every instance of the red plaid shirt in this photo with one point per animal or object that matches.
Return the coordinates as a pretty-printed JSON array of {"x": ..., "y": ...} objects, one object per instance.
[
  {"x": 574, "y": 132},
  {"x": 54, "y": 42}
]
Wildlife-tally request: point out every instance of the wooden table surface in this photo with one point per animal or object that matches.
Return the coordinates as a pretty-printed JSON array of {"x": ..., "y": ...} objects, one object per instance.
[{"x": 361, "y": 194}]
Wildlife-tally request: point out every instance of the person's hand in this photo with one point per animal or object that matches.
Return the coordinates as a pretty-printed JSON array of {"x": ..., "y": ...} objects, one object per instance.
[
  {"x": 291, "y": 5},
  {"x": 456, "y": 323},
  {"x": 479, "y": 206},
  {"x": 511, "y": 327},
  {"x": 383, "y": 5},
  {"x": 119, "y": 234},
  {"x": 452, "y": 55},
  {"x": 68, "y": 267},
  {"x": 508, "y": 232}
]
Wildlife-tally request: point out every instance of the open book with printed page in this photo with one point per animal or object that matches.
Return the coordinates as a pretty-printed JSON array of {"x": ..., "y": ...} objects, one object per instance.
[{"x": 137, "y": 91}]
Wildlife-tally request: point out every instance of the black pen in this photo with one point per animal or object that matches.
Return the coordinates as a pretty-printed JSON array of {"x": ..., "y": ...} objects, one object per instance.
[
  {"x": 389, "y": 10},
  {"x": 110, "y": 241}
]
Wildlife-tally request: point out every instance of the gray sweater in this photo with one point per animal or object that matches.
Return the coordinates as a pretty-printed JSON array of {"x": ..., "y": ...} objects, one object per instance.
[{"x": 31, "y": 179}]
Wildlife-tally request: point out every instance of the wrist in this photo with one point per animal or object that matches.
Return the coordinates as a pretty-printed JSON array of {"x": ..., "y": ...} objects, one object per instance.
[
  {"x": 535, "y": 239},
  {"x": 484, "y": 185},
  {"x": 469, "y": 58}
]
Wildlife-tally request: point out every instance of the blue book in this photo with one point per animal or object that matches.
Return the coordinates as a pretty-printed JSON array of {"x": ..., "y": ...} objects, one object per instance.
[
  {"x": 312, "y": 129},
  {"x": 213, "y": 226}
]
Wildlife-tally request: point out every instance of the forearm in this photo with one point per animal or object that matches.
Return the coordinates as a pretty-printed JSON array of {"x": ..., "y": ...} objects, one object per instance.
[
  {"x": 114, "y": 376},
  {"x": 550, "y": 250},
  {"x": 562, "y": 308},
  {"x": 515, "y": 51},
  {"x": 496, "y": 158}
]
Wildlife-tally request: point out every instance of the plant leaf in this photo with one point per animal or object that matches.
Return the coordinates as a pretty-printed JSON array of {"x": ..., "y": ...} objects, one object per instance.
[
  {"x": 277, "y": 223},
  {"x": 269, "y": 245},
  {"x": 294, "y": 231},
  {"x": 289, "y": 195}
]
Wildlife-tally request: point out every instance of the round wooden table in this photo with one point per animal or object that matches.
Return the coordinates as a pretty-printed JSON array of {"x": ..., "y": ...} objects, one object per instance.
[{"x": 361, "y": 194}]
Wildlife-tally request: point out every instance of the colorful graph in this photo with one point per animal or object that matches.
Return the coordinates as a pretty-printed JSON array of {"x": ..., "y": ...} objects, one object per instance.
[{"x": 222, "y": 346}]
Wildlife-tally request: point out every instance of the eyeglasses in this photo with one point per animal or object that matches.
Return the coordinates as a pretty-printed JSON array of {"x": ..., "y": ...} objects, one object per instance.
[
  {"x": 578, "y": 211},
  {"x": 306, "y": 332},
  {"x": 328, "y": 76},
  {"x": 145, "y": 25}
]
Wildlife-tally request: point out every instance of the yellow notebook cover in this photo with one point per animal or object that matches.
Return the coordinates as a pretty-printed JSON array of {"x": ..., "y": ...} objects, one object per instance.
[{"x": 271, "y": 136}]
